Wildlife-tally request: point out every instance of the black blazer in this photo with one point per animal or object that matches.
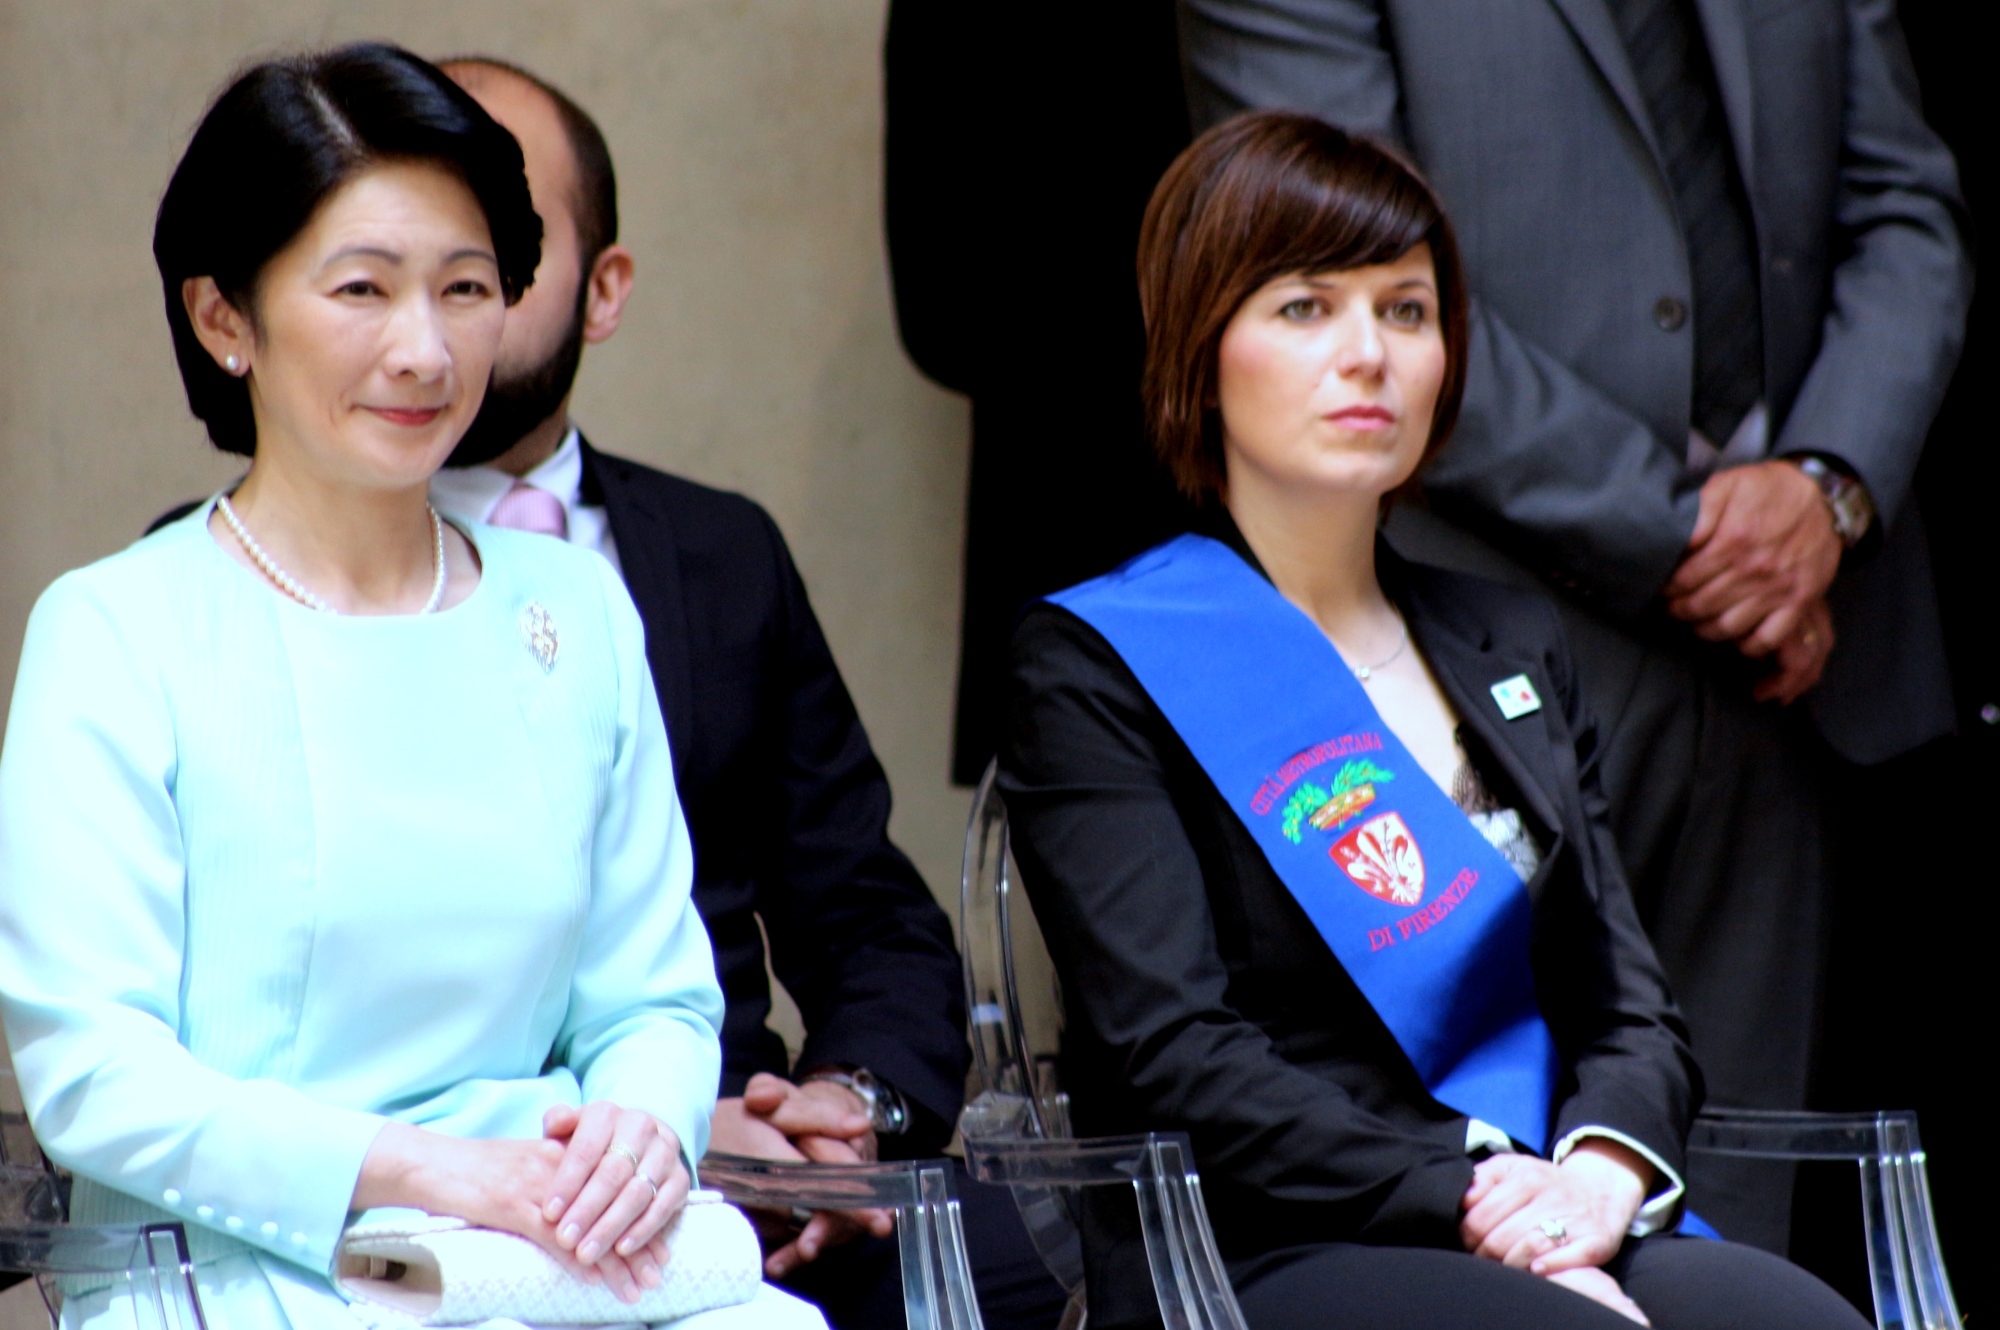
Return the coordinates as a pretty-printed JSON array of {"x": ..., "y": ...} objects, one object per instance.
[
  {"x": 1200, "y": 998},
  {"x": 787, "y": 804}
]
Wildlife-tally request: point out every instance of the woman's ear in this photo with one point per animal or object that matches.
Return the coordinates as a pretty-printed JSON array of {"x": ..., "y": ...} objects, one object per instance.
[{"x": 218, "y": 325}]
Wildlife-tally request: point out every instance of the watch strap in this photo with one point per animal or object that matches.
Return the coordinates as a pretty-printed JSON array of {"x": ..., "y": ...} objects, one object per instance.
[{"x": 1846, "y": 498}]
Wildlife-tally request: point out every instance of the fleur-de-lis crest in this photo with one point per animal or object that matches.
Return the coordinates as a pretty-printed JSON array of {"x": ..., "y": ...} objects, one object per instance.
[{"x": 538, "y": 630}]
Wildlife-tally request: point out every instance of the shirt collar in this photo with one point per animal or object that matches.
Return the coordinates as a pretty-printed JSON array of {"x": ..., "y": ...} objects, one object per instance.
[{"x": 471, "y": 493}]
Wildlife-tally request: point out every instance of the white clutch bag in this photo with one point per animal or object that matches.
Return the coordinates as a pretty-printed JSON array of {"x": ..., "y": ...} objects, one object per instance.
[{"x": 446, "y": 1272}]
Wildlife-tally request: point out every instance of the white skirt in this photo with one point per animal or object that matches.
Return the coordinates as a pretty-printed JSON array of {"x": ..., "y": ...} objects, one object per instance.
[{"x": 244, "y": 1291}]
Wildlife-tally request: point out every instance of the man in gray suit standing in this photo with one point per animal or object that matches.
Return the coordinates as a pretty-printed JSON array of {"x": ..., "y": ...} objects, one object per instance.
[{"x": 1720, "y": 286}]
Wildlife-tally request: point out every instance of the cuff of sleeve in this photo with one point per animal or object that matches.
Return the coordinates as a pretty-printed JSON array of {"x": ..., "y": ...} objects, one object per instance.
[
  {"x": 287, "y": 1193},
  {"x": 1658, "y": 1211},
  {"x": 1485, "y": 1136}
]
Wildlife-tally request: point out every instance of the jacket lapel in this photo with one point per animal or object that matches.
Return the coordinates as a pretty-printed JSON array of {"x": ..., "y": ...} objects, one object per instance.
[
  {"x": 1467, "y": 666},
  {"x": 1595, "y": 31},
  {"x": 1723, "y": 26},
  {"x": 649, "y": 556}
]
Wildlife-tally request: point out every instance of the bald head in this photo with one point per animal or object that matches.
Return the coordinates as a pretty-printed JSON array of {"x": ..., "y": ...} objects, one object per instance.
[
  {"x": 567, "y": 156},
  {"x": 584, "y": 278}
]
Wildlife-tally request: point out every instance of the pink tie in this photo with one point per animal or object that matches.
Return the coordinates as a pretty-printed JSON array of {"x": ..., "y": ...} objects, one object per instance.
[{"x": 525, "y": 508}]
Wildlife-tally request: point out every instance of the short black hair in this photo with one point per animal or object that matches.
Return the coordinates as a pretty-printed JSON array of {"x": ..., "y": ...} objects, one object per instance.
[
  {"x": 596, "y": 201},
  {"x": 275, "y": 145}
]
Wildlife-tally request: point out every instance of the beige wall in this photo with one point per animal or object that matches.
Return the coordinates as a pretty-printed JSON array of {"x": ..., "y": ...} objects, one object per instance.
[{"x": 758, "y": 353}]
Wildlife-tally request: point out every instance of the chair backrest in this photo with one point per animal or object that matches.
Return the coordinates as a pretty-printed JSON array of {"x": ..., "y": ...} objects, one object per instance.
[
  {"x": 937, "y": 1279},
  {"x": 1011, "y": 992},
  {"x": 1016, "y": 1127},
  {"x": 1906, "y": 1270}
]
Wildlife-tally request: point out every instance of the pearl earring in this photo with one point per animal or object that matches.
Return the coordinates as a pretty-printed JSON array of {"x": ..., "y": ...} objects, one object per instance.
[{"x": 231, "y": 363}]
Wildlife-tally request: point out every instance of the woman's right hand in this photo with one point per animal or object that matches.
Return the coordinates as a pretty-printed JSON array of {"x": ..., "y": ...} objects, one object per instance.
[{"x": 498, "y": 1184}]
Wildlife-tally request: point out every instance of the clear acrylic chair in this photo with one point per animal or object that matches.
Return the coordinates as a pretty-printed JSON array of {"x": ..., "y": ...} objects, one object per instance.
[
  {"x": 1905, "y": 1265},
  {"x": 149, "y": 1261},
  {"x": 1016, "y": 1127},
  {"x": 937, "y": 1281}
]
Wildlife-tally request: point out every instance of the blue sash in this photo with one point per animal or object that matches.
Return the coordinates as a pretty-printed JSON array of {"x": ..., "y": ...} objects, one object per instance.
[{"x": 1427, "y": 917}]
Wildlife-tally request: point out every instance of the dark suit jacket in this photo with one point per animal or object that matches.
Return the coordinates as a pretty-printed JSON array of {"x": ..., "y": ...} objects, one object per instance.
[
  {"x": 1200, "y": 998},
  {"x": 1569, "y": 455},
  {"x": 788, "y": 807}
]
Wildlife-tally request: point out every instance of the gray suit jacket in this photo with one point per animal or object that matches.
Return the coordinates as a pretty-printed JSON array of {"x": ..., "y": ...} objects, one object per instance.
[{"x": 1569, "y": 456}]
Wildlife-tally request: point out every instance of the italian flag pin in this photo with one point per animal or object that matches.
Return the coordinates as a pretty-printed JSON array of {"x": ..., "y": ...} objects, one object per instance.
[{"x": 1517, "y": 697}]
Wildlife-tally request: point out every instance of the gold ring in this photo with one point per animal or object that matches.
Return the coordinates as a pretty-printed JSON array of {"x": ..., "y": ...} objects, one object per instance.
[
  {"x": 1811, "y": 636},
  {"x": 653, "y": 1186},
  {"x": 620, "y": 1148}
]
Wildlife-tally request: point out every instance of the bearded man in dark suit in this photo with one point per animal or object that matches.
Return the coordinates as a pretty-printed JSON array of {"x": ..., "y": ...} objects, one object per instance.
[
  {"x": 786, "y": 802},
  {"x": 1719, "y": 290}
]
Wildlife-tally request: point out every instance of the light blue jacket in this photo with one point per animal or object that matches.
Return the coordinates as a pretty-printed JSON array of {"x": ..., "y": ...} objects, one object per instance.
[{"x": 270, "y": 877}]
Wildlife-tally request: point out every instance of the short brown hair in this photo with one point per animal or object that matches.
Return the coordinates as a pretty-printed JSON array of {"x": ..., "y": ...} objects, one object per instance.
[{"x": 1261, "y": 195}]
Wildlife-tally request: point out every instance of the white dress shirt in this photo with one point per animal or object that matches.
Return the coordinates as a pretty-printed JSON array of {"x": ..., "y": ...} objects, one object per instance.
[{"x": 471, "y": 493}]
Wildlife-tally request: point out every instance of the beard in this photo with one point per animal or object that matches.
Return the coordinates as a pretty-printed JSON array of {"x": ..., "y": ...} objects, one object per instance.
[{"x": 517, "y": 402}]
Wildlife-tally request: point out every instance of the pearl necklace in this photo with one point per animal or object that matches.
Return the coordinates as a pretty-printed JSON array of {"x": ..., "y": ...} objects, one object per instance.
[{"x": 291, "y": 586}]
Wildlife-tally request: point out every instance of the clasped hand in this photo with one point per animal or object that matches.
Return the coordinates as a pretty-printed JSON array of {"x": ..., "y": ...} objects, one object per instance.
[
  {"x": 1592, "y": 1195},
  {"x": 597, "y": 1192},
  {"x": 818, "y": 1121},
  {"x": 1756, "y": 572}
]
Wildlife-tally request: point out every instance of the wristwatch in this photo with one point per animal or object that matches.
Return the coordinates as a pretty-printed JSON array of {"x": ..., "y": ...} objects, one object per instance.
[
  {"x": 886, "y": 1111},
  {"x": 1846, "y": 498}
]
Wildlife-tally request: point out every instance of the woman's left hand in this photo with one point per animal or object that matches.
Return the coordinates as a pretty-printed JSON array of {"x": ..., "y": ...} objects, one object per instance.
[
  {"x": 600, "y": 1202},
  {"x": 1592, "y": 1197}
]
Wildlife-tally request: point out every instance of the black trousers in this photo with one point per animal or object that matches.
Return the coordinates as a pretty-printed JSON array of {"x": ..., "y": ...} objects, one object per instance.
[
  {"x": 1717, "y": 804},
  {"x": 860, "y": 1285},
  {"x": 1680, "y": 1283}
]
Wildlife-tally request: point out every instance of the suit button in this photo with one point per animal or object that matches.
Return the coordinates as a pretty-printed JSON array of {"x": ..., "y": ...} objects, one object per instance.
[
  {"x": 1782, "y": 265},
  {"x": 1670, "y": 314}
]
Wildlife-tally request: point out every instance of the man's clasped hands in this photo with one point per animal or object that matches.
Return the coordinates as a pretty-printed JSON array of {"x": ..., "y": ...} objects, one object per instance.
[
  {"x": 1756, "y": 572},
  {"x": 1589, "y": 1200}
]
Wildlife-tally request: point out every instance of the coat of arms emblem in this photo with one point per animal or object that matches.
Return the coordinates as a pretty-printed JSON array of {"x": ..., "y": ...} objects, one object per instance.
[{"x": 1381, "y": 857}]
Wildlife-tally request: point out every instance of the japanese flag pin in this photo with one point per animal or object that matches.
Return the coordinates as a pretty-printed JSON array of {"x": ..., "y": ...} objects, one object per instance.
[{"x": 1517, "y": 697}]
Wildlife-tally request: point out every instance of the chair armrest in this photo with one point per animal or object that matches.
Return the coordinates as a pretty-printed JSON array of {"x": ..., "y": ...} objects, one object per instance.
[
  {"x": 788, "y": 1184},
  {"x": 1092, "y": 1162},
  {"x": 1765, "y": 1134},
  {"x": 937, "y": 1281}
]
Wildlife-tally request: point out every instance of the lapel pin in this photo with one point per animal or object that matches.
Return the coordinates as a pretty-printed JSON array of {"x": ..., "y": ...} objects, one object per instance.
[
  {"x": 538, "y": 631},
  {"x": 1517, "y": 697}
]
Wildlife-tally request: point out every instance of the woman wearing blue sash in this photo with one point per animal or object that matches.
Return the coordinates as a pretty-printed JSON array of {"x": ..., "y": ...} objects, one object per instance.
[{"x": 1315, "y": 835}]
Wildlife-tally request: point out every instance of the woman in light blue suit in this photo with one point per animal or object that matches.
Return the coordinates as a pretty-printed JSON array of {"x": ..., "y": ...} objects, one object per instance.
[{"x": 341, "y": 865}]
